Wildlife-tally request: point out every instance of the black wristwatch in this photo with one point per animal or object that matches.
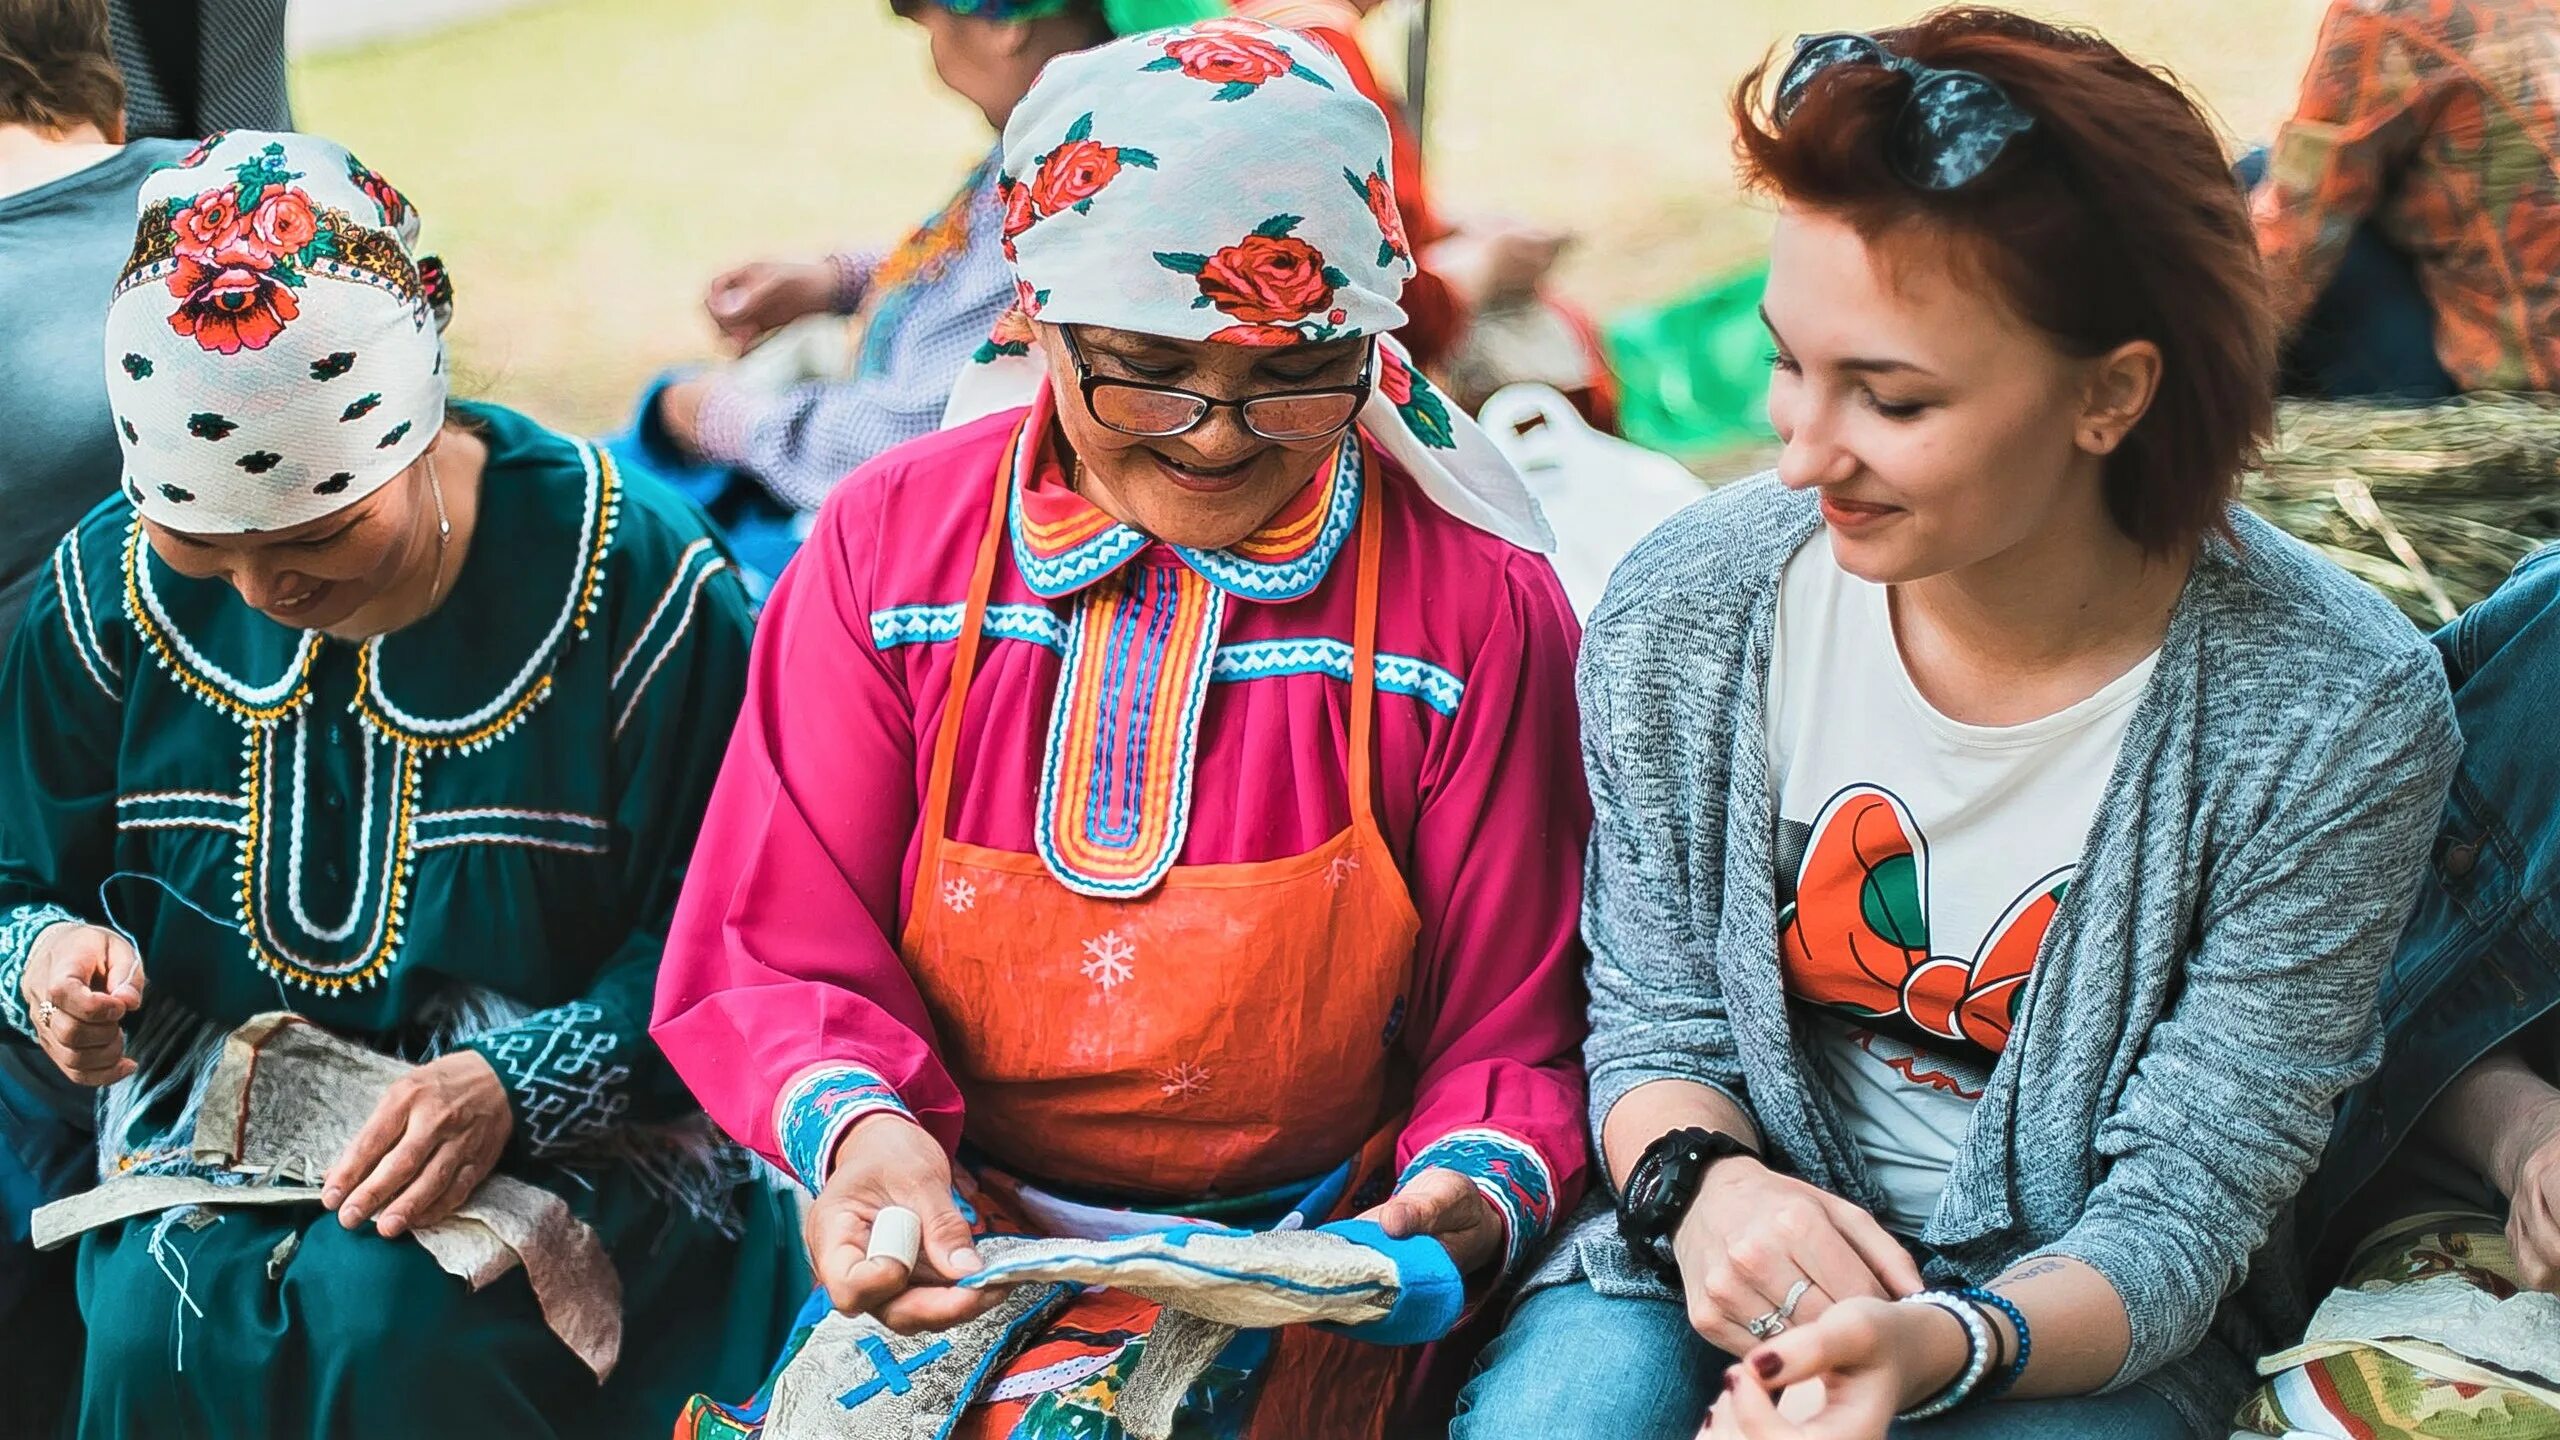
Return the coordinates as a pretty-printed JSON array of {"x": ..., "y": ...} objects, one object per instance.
[{"x": 1661, "y": 1188}]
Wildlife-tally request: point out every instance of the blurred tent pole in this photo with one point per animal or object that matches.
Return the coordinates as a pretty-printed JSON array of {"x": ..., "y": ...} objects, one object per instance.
[{"x": 1417, "y": 62}]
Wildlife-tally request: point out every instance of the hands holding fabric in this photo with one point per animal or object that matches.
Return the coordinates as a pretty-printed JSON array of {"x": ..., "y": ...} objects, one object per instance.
[
  {"x": 887, "y": 1160},
  {"x": 80, "y": 984},
  {"x": 1446, "y": 1206},
  {"x": 433, "y": 1137},
  {"x": 1752, "y": 1235}
]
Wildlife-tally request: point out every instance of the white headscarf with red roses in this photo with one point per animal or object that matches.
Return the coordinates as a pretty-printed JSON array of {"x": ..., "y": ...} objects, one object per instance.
[
  {"x": 275, "y": 351},
  {"x": 1225, "y": 181}
]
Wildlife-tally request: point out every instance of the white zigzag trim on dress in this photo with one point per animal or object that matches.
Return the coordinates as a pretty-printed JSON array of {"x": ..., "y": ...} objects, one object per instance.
[
  {"x": 253, "y": 696},
  {"x": 74, "y": 619},
  {"x": 684, "y": 563},
  {"x": 590, "y": 543},
  {"x": 692, "y": 606},
  {"x": 293, "y": 860},
  {"x": 497, "y": 837}
]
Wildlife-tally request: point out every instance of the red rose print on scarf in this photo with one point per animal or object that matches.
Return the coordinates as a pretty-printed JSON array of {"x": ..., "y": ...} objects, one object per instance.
[
  {"x": 242, "y": 250},
  {"x": 229, "y": 308},
  {"x": 1066, "y": 179},
  {"x": 283, "y": 223},
  {"x": 1380, "y": 196},
  {"x": 1425, "y": 413},
  {"x": 394, "y": 205},
  {"x": 1011, "y": 337},
  {"x": 1270, "y": 279},
  {"x": 1237, "y": 56}
]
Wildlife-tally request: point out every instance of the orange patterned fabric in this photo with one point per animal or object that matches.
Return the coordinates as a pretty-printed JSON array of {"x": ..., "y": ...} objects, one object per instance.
[{"x": 2439, "y": 121}]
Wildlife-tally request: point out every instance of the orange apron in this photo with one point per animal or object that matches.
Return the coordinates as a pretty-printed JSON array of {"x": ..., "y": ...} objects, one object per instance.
[{"x": 1229, "y": 1031}]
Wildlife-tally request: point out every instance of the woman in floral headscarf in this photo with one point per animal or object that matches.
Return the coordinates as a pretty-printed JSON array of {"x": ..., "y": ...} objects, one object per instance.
[
  {"x": 398, "y": 716},
  {"x": 1156, "y": 798}
]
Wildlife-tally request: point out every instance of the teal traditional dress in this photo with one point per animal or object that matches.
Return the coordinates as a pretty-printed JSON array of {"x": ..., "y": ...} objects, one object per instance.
[{"x": 468, "y": 832}]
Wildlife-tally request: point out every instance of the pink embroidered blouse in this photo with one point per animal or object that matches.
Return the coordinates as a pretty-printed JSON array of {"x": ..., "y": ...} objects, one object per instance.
[{"x": 783, "y": 1000}]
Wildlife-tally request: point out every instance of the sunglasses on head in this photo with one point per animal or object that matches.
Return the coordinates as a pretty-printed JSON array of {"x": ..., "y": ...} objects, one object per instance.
[{"x": 1953, "y": 125}]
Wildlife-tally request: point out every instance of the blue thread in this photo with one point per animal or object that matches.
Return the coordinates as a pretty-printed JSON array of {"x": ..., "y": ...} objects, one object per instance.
[{"x": 889, "y": 1374}]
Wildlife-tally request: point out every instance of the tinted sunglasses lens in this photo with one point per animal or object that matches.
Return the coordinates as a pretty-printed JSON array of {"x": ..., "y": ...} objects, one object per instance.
[
  {"x": 1815, "y": 56},
  {"x": 1299, "y": 417},
  {"x": 1954, "y": 129},
  {"x": 1134, "y": 411}
]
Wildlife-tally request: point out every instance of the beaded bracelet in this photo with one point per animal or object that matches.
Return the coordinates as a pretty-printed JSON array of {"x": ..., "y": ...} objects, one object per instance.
[
  {"x": 1978, "y": 1342},
  {"x": 2017, "y": 1321}
]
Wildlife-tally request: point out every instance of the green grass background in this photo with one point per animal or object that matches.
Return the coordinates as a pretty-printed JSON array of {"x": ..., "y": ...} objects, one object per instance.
[{"x": 585, "y": 166}]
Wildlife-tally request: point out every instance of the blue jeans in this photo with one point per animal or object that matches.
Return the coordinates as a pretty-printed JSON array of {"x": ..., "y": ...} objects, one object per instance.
[{"x": 1575, "y": 1362}]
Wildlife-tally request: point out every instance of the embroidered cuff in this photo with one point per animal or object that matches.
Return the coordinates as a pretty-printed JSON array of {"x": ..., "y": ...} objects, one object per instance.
[
  {"x": 19, "y": 928},
  {"x": 1507, "y": 1171},
  {"x": 853, "y": 279},
  {"x": 564, "y": 1075},
  {"x": 821, "y": 1103}
]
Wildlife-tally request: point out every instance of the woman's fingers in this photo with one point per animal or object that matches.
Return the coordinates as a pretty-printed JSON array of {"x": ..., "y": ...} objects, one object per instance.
[
  {"x": 124, "y": 971},
  {"x": 1754, "y": 1411},
  {"x": 417, "y": 1201},
  {"x": 1884, "y": 1256},
  {"x": 391, "y": 1175},
  {"x": 937, "y": 1307},
  {"x": 1722, "y": 1302},
  {"x": 1838, "y": 1273},
  {"x": 382, "y": 1130}
]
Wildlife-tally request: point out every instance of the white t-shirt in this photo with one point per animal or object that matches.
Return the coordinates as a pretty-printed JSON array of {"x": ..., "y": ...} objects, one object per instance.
[{"x": 1920, "y": 860}]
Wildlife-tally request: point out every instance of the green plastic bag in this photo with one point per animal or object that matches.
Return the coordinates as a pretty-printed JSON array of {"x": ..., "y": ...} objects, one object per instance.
[{"x": 1693, "y": 375}]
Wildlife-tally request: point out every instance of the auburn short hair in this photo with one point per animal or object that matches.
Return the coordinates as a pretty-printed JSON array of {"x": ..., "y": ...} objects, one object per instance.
[
  {"x": 58, "y": 66},
  {"x": 2115, "y": 218}
]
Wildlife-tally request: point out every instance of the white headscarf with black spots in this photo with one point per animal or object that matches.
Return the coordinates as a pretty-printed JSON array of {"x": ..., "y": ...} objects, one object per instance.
[
  {"x": 275, "y": 348},
  {"x": 1225, "y": 181}
]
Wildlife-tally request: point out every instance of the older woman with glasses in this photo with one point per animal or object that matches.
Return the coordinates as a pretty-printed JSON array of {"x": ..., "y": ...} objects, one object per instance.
[{"x": 1156, "y": 798}]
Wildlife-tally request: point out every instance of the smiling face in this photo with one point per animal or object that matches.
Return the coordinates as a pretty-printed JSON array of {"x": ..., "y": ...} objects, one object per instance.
[
  {"x": 337, "y": 574},
  {"x": 1941, "y": 429},
  {"x": 1219, "y": 483}
]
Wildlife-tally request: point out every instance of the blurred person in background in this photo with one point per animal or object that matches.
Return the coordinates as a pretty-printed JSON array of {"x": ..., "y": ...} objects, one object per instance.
[
  {"x": 192, "y": 67},
  {"x": 1480, "y": 315},
  {"x": 67, "y": 182},
  {"x": 2409, "y": 211},
  {"x": 761, "y": 442}
]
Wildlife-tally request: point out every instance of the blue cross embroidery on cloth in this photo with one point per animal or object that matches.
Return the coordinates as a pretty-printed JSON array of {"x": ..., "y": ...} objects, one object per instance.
[{"x": 890, "y": 1375}]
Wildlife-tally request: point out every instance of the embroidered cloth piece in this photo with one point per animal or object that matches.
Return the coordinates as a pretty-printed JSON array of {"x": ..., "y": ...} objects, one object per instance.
[
  {"x": 274, "y": 350},
  {"x": 283, "y": 1103}
]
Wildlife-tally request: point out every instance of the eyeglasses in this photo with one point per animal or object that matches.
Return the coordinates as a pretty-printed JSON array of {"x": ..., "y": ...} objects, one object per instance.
[
  {"x": 1953, "y": 125},
  {"x": 1160, "y": 412}
]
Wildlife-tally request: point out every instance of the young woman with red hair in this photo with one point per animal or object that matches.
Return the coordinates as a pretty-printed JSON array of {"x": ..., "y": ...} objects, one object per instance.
[{"x": 1998, "y": 833}]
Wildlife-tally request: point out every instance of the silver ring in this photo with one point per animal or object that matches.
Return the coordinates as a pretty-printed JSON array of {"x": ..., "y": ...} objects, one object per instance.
[
  {"x": 44, "y": 1014},
  {"x": 1774, "y": 1324}
]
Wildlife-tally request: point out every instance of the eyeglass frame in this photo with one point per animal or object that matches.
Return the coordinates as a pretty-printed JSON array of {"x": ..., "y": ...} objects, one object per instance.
[
  {"x": 1087, "y": 383},
  {"x": 2013, "y": 119}
]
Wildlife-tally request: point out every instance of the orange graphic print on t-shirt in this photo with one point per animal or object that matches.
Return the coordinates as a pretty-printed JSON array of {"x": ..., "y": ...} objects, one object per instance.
[{"x": 1856, "y": 937}]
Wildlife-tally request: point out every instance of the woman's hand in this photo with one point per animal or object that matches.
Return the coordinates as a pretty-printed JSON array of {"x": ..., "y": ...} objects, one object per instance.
[
  {"x": 889, "y": 1160},
  {"x": 1446, "y": 1206},
  {"x": 1865, "y": 1360},
  {"x": 1752, "y": 1234},
  {"x": 2533, "y": 1199},
  {"x": 433, "y": 1137},
  {"x": 80, "y": 984},
  {"x": 754, "y": 300}
]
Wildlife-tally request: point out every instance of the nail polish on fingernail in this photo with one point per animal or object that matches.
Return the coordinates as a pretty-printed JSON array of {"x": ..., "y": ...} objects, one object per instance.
[
  {"x": 1767, "y": 1364},
  {"x": 1732, "y": 1379}
]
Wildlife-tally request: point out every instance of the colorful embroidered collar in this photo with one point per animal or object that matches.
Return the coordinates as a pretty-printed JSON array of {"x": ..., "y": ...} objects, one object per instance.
[{"x": 1063, "y": 543}]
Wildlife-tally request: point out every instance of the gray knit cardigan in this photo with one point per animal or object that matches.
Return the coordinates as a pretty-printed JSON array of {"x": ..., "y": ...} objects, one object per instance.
[{"x": 2204, "y": 994}]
